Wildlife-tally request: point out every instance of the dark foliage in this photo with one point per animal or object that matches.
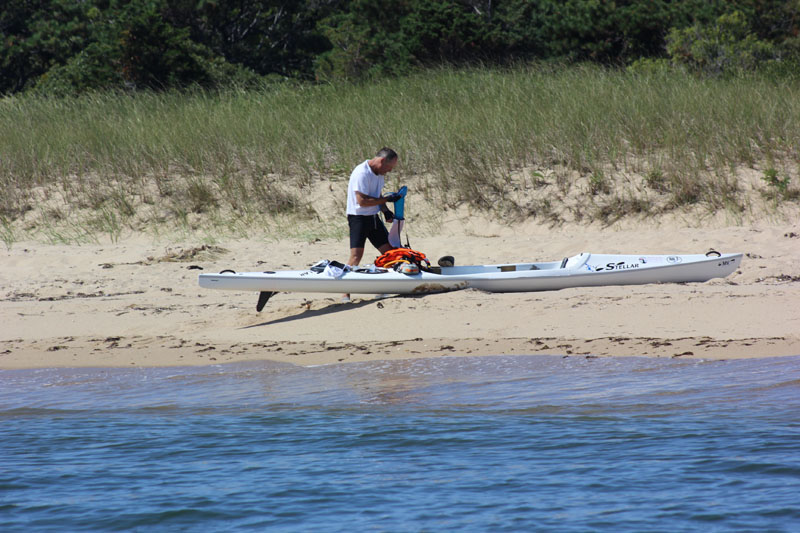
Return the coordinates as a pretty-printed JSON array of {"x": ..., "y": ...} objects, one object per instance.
[{"x": 64, "y": 46}]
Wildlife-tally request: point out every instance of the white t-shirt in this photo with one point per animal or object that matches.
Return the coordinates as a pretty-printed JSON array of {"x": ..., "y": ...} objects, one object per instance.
[{"x": 365, "y": 181}]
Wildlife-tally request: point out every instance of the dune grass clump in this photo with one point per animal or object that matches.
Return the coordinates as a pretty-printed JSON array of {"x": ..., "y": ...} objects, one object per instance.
[{"x": 516, "y": 142}]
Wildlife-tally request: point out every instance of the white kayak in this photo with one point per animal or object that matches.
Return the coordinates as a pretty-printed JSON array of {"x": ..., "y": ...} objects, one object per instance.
[{"x": 583, "y": 270}]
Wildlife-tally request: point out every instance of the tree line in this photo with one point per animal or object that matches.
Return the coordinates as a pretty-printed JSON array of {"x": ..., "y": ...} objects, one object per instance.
[{"x": 73, "y": 46}]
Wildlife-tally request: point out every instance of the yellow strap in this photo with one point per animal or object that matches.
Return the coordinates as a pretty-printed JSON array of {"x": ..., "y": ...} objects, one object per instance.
[{"x": 390, "y": 263}]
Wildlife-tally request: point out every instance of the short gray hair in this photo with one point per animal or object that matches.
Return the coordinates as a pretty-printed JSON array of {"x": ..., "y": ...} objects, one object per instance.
[{"x": 387, "y": 153}]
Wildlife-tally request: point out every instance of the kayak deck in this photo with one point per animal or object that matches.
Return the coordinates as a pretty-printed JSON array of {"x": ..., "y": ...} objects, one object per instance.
[{"x": 582, "y": 270}]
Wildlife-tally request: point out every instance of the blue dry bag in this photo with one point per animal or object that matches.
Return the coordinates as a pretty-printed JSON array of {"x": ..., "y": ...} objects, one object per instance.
[{"x": 399, "y": 205}]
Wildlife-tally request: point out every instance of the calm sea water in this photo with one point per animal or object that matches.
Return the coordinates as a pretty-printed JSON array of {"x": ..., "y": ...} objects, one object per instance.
[{"x": 445, "y": 444}]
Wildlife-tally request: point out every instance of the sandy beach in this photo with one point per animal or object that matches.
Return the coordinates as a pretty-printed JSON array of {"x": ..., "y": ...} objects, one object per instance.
[{"x": 137, "y": 303}]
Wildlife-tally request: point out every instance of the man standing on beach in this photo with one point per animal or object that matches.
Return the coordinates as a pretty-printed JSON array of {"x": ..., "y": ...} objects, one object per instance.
[{"x": 365, "y": 201}]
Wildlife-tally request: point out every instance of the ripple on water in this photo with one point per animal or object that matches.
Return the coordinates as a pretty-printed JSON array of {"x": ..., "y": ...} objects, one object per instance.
[{"x": 474, "y": 444}]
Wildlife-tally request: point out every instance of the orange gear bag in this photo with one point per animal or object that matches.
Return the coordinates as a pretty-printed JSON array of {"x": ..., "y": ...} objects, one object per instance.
[{"x": 401, "y": 255}]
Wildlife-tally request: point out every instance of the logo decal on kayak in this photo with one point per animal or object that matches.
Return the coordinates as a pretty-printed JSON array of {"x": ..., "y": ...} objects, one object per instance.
[
  {"x": 674, "y": 259},
  {"x": 622, "y": 265}
]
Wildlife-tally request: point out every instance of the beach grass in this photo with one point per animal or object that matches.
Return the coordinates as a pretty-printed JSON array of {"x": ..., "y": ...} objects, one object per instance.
[{"x": 517, "y": 142}]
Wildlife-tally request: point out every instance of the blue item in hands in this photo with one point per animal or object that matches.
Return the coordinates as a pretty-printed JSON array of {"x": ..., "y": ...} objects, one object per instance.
[{"x": 399, "y": 204}]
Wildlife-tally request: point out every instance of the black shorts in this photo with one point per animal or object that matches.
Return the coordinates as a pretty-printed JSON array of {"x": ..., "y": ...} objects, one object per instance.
[{"x": 363, "y": 227}]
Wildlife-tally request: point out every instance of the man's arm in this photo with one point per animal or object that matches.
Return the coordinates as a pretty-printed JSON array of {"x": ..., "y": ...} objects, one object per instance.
[
  {"x": 387, "y": 213},
  {"x": 368, "y": 201}
]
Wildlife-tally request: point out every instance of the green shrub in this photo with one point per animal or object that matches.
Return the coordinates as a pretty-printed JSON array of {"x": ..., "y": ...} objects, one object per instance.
[
  {"x": 728, "y": 46},
  {"x": 779, "y": 187}
]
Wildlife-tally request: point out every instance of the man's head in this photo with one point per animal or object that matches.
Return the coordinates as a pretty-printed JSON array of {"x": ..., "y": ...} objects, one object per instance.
[{"x": 384, "y": 161}]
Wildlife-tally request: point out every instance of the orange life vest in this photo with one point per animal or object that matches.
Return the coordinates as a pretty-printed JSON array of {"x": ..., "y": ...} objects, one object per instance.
[{"x": 401, "y": 255}]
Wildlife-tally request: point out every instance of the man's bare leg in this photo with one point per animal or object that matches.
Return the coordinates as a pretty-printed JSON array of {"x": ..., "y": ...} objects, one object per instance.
[
  {"x": 357, "y": 253},
  {"x": 355, "y": 258}
]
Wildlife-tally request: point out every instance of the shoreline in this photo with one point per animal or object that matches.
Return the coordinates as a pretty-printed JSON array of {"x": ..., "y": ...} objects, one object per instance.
[{"x": 143, "y": 352}]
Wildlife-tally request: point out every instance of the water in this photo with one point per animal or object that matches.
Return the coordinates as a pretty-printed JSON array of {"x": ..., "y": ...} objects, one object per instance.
[{"x": 446, "y": 444}]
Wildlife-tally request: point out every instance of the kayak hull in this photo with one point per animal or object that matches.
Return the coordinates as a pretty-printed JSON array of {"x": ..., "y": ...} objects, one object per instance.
[{"x": 583, "y": 270}]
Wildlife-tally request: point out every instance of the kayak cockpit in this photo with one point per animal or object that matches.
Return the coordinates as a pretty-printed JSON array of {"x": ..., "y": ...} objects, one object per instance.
[{"x": 570, "y": 263}]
